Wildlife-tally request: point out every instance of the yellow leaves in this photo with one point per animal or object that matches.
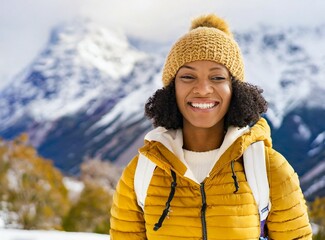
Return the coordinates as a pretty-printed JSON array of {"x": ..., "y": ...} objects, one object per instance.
[
  {"x": 317, "y": 211},
  {"x": 317, "y": 216},
  {"x": 22, "y": 139},
  {"x": 92, "y": 208},
  {"x": 33, "y": 191},
  {"x": 34, "y": 187},
  {"x": 94, "y": 203}
]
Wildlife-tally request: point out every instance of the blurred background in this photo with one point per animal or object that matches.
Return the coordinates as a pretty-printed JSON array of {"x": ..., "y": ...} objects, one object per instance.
[{"x": 75, "y": 75}]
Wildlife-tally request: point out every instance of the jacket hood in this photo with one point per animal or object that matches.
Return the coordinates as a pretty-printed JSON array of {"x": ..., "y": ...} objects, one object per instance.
[{"x": 165, "y": 147}]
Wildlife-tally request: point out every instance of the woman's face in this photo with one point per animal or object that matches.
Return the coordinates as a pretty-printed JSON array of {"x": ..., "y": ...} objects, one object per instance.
[{"x": 203, "y": 93}]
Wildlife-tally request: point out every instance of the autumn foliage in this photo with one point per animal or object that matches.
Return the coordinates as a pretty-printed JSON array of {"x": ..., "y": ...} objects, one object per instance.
[
  {"x": 33, "y": 194},
  {"x": 94, "y": 203},
  {"x": 317, "y": 215}
]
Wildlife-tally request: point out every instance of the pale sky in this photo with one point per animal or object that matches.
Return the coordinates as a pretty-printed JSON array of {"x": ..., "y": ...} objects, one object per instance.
[{"x": 25, "y": 25}]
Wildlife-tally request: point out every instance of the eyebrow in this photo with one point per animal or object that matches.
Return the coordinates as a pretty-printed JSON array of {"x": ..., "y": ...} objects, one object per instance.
[{"x": 193, "y": 68}]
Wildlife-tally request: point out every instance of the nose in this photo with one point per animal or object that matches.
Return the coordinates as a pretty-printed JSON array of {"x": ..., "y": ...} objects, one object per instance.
[{"x": 203, "y": 87}]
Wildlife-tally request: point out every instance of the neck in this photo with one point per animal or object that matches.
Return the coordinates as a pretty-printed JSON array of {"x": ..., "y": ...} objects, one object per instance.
[{"x": 202, "y": 139}]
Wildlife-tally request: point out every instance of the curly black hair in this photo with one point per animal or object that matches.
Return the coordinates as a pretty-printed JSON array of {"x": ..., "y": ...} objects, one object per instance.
[{"x": 246, "y": 106}]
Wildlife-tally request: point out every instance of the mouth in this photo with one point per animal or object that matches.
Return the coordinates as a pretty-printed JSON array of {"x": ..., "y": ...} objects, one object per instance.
[{"x": 203, "y": 105}]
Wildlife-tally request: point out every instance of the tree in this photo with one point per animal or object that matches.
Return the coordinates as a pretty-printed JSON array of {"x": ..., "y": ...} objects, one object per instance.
[
  {"x": 317, "y": 216},
  {"x": 91, "y": 212},
  {"x": 34, "y": 188},
  {"x": 93, "y": 207},
  {"x": 4, "y": 166},
  {"x": 103, "y": 173}
]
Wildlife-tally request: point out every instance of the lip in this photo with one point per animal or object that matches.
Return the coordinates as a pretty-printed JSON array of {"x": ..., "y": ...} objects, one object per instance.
[{"x": 203, "y": 105}]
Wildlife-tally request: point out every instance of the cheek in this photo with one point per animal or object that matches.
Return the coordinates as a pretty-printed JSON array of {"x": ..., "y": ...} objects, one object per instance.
[{"x": 226, "y": 92}]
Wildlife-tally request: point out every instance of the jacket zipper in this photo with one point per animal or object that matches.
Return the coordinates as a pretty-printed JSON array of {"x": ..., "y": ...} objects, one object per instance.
[{"x": 203, "y": 210}]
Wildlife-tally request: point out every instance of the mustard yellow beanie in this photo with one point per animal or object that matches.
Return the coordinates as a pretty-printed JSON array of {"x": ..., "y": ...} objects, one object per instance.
[{"x": 208, "y": 39}]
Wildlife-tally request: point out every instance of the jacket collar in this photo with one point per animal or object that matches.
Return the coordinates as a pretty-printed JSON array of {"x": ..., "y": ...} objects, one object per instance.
[{"x": 165, "y": 147}]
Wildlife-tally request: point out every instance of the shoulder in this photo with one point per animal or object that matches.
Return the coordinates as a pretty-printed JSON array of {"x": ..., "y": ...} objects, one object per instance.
[
  {"x": 131, "y": 166},
  {"x": 276, "y": 161},
  {"x": 127, "y": 177},
  {"x": 280, "y": 173}
]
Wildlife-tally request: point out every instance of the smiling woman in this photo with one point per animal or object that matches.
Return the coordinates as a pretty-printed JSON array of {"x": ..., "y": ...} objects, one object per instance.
[
  {"x": 188, "y": 180},
  {"x": 203, "y": 94}
]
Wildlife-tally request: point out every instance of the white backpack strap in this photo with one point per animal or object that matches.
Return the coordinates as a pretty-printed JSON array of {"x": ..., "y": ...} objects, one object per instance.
[
  {"x": 256, "y": 174},
  {"x": 142, "y": 178}
]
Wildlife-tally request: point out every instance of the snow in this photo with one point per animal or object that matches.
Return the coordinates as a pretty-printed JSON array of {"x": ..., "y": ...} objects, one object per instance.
[
  {"x": 131, "y": 103},
  {"x": 288, "y": 64},
  {"x": 116, "y": 60},
  {"x": 12, "y": 179},
  {"x": 45, "y": 109},
  {"x": 315, "y": 228},
  {"x": 303, "y": 130},
  {"x": 315, "y": 187},
  {"x": 314, "y": 172},
  {"x": 7, "y": 216},
  {"x": 320, "y": 139},
  {"x": 82, "y": 62},
  {"x": 14, "y": 234},
  {"x": 317, "y": 144},
  {"x": 74, "y": 186}
]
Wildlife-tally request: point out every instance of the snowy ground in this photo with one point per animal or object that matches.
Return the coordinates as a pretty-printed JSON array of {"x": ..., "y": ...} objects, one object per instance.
[{"x": 14, "y": 234}]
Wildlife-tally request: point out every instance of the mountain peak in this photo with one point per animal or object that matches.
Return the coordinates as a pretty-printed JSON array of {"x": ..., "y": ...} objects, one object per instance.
[{"x": 81, "y": 61}]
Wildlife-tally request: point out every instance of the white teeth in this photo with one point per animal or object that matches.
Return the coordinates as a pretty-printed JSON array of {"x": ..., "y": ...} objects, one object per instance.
[{"x": 203, "y": 105}]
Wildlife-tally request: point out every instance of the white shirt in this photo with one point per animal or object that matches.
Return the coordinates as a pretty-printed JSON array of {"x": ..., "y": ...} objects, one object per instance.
[
  {"x": 173, "y": 141},
  {"x": 200, "y": 163}
]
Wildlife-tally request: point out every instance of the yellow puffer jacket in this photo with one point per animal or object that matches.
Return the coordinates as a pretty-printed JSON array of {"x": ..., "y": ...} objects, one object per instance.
[{"x": 227, "y": 215}]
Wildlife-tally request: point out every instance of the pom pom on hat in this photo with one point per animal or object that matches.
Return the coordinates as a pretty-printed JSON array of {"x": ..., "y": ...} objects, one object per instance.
[
  {"x": 211, "y": 21},
  {"x": 209, "y": 39}
]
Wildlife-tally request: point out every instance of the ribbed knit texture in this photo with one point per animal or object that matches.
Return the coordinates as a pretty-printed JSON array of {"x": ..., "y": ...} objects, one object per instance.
[
  {"x": 205, "y": 43},
  {"x": 200, "y": 163}
]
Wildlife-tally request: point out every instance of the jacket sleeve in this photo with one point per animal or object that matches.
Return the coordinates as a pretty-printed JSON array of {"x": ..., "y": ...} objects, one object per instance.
[
  {"x": 127, "y": 220},
  {"x": 288, "y": 218}
]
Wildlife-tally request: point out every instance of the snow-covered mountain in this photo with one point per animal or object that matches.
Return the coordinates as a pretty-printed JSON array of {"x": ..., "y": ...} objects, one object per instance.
[
  {"x": 289, "y": 64},
  {"x": 84, "y": 95}
]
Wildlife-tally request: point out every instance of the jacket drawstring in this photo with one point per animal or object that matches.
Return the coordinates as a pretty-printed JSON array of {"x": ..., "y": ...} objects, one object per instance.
[
  {"x": 167, "y": 206},
  {"x": 234, "y": 176}
]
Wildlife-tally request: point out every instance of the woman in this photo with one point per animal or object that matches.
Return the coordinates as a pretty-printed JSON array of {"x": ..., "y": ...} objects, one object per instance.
[{"x": 205, "y": 117}]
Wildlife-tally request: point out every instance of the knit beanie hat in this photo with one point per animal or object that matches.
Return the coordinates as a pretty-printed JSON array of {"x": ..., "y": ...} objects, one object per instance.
[{"x": 208, "y": 39}]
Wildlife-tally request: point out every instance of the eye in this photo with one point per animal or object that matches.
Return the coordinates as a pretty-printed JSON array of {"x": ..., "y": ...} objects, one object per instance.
[
  {"x": 218, "y": 78},
  {"x": 187, "y": 77}
]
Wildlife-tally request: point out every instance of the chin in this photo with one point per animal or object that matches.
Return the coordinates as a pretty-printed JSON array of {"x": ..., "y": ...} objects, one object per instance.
[{"x": 203, "y": 125}]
